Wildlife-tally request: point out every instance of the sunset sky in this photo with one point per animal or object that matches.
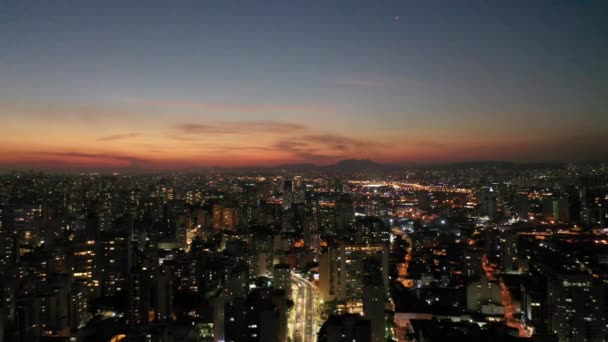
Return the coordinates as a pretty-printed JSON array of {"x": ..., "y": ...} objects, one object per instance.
[{"x": 174, "y": 84}]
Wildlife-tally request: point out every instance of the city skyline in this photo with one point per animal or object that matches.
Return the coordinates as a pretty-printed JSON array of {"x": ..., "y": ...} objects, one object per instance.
[
  {"x": 304, "y": 171},
  {"x": 231, "y": 84}
]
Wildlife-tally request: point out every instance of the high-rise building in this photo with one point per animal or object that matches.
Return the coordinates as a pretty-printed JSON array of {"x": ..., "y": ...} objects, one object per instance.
[
  {"x": 345, "y": 215},
  {"x": 263, "y": 190},
  {"x": 576, "y": 307},
  {"x": 139, "y": 296},
  {"x": 281, "y": 278},
  {"x": 522, "y": 206},
  {"x": 328, "y": 274},
  {"x": 556, "y": 209},
  {"x": 374, "y": 297},
  {"x": 163, "y": 299},
  {"x": 261, "y": 317},
  {"x": 509, "y": 256},
  {"x": 481, "y": 293},
  {"x": 342, "y": 270},
  {"x": 298, "y": 190},
  {"x": 326, "y": 216},
  {"x": 116, "y": 261},
  {"x": 236, "y": 284},
  {"x": 534, "y": 304},
  {"x": 217, "y": 216},
  {"x": 287, "y": 194},
  {"x": 472, "y": 264},
  {"x": 85, "y": 263},
  {"x": 488, "y": 202},
  {"x": 371, "y": 230},
  {"x": 78, "y": 311},
  {"x": 353, "y": 258},
  {"x": 9, "y": 249},
  {"x": 345, "y": 328},
  {"x": 228, "y": 219}
]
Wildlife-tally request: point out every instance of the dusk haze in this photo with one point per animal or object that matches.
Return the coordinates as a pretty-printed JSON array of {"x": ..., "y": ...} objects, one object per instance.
[{"x": 163, "y": 85}]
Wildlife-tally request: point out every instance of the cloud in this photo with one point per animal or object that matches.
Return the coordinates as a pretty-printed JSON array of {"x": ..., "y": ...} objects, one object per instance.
[
  {"x": 178, "y": 137},
  {"x": 227, "y": 148},
  {"x": 240, "y": 127},
  {"x": 324, "y": 147},
  {"x": 91, "y": 155},
  {"x": 193, "y": 128},
  {"x": 67, "y": 112},
  {"x": 259, "y": 108},
  {"x": 361, "y": 83},
  {"x": 295, "y": 143},
  {"x": 370, "y": 81},
  {"x": 119, "y": 136},
  {"x": 78, "y": 160},
  {"x": 336, "y": 142},
  {"x": 426, "y": 143}
]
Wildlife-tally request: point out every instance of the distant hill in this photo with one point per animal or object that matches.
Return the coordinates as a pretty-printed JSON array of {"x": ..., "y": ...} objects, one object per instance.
[
  {"x": 350, "y": 166},
  {"x": 489, "y": 164},
  {"x": 347, "y": 166}
]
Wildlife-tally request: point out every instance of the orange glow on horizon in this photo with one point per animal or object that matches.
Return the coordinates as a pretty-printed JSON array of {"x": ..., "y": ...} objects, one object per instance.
[{"x": 123, "y": 136}]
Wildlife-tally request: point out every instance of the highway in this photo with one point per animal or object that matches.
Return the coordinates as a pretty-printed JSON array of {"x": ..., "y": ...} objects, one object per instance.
[{"x": 304, "y": 295}]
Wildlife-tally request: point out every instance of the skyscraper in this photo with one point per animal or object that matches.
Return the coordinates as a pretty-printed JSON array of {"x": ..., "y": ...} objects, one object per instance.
[{"x": 576, "y": 307}]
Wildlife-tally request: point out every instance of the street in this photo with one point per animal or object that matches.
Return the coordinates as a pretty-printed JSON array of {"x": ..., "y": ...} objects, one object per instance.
[{"x": 303, "y": 316}]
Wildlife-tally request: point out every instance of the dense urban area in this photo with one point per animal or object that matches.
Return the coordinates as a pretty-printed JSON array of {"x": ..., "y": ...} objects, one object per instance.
[
  {"x": 471, "y": 252},
  {"x": 304, "y": 171}
]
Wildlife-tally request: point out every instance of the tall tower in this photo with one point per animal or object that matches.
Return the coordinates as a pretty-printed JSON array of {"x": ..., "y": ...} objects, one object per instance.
[
  {"x": 373, "y": 299},
  {"x": 287, "y": 194}
]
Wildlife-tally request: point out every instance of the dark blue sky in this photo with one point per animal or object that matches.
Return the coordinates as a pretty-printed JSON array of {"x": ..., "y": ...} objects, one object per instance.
[{"x": 484, "y": 76}]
